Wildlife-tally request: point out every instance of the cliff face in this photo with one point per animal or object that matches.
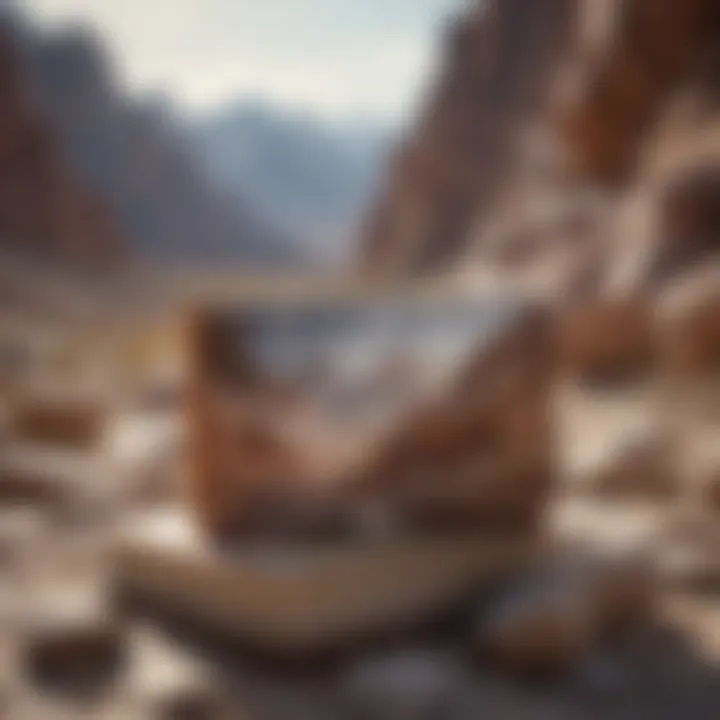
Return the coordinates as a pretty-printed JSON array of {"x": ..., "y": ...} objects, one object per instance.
[
  {"x": 548, "y": 121},
  {"x": 498, "y": 59},
  {"x": 45, "y": 210},
  {"x": 140, "y": 162}
]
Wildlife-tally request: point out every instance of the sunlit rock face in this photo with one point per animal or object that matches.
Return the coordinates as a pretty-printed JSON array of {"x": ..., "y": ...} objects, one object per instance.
[
  {"x": 498, "y": 61},
  {"x": 547, "y": 122}
]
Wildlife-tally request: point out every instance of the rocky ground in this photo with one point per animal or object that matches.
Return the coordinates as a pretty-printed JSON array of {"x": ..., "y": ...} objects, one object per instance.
[{"x": 69, "y": 650}]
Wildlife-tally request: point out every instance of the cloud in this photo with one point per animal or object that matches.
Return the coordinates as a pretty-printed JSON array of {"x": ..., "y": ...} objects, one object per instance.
[{"x": 332, "y": 56}]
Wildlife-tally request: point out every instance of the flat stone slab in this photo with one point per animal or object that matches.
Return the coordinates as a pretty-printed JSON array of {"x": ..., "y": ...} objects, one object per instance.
[{"x": 291, "y": 598}]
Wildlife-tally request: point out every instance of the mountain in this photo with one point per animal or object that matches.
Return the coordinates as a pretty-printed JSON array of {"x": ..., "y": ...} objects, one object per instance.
[
  {"x": 574, "y": 137},
  {"x": 312, "y": 178},
  {"x": 498, "y": 57},
  {"x": 135, "y": 156},
  {"x": 46, "y": 210}
]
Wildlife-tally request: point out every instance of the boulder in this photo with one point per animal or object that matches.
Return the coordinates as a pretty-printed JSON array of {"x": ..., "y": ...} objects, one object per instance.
[
  {"x": 562, "y": 613},
  {"x": 292, "y": 600},
  {"x": 73, "y": 648}
]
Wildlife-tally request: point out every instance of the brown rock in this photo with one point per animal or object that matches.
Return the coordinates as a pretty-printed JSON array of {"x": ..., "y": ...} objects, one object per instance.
[
  {"x": 75, "y": 652},
  {"x": 481, "y": 457},
  {"x": 499, "y": 57},
  {"x": 711, "y": 490},
  {"x": 645, "y": 471},
  {"x": 21, "y": 486},
  {"x": 607, "y": 341},
  {"x": 690, "y": 337},
  {"x": 591, "y": 86},
  {"x": 559, "y": 616},
  {"x": 690, "y": 221},
  {"x": 58, "y": 420},
  {"x": 467, "y": 446}
]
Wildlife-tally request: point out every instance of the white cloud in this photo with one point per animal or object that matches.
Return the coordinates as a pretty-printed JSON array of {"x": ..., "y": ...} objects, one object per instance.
[{"x": 331, "y": 56}]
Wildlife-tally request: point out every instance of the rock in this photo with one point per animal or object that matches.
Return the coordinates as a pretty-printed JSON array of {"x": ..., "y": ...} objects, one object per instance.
[
  {"x": 543, "y": 632},
  {"x": 21, "y": 486},
  {"x": 407, "y": 685},
  {"x": 22, "y": 531},
  {"x": 608, "y": 341},
  {"x": 169, "y": 681},
  {"x": 63, "y": 421},
  {"x": 645, "y": 471},
  {"x": 480, "y": 457},
  {"x": 43, "y": 209},
  {"x": 147, "y": 171},
  {"x": 688, "y": 553},
  {"x": 690, "y": 331},
  {"x": 499, "y": 57},
  {"x": 689, "y": 222},
  {"x": 711, "y": 491},
  {"x": 562, "y": 614},
  {"x": 73, "y": 648},
  {"x": 292, "y": 600},
  {"x": 467, "y": 444}
]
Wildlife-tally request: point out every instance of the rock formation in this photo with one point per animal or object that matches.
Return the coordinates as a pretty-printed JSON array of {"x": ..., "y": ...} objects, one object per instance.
[
  {"x": 45, "y": 210},
  {"x": 499, "y": 57},
  {"x": 134, "y": 154},
  {"x": 549, "y": 120}
]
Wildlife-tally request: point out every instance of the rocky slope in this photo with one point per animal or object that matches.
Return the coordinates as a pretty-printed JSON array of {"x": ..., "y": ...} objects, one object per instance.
[
  {"x": 137, "y": 158},
  {"x": 313, "y": 176},
  {"x": 45, "y": 209},
  {"x": 555, "y": 135},
  {"x": 497, "y": 60}
]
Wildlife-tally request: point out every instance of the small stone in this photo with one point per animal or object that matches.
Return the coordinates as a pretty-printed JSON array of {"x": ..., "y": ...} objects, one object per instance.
[
  {"x": 65, "y": 422},
  {"x": 73, "y": 648},
  {"x": 24, "y": 487}
]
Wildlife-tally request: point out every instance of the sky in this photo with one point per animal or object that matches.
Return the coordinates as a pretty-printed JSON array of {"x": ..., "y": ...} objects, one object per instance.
[{"x": 333, "y": 58}]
